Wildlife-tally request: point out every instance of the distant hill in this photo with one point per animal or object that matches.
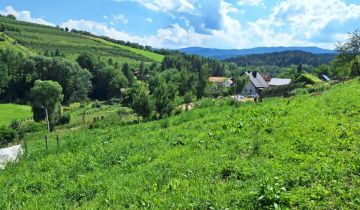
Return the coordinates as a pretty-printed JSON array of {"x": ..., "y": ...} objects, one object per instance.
[
  {"x": 282, "y": 59},
  {"x": 223, "y": 54}
]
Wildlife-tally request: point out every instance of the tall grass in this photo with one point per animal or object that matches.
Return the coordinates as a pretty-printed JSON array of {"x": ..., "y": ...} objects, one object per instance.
[{"x": 305, "y": 156}]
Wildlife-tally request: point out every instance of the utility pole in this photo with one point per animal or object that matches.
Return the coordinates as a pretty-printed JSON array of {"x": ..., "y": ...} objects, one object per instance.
[{"x": 47, "y": 118}]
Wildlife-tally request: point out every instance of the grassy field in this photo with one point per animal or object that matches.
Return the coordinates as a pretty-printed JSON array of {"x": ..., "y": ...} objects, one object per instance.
[
  {"x": 296, "y": 153},
  {"x": 40, "y": 39},
  {"x": 153, "y": 56},
  {"x": 9, "y": 112}
]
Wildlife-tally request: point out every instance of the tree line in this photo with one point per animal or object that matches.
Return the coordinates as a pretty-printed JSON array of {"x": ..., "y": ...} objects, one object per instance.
[{"x": 283, "y": 59}]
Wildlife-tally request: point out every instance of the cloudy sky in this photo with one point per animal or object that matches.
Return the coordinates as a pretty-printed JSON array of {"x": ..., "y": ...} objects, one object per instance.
[{"x": 226, "y": 24}]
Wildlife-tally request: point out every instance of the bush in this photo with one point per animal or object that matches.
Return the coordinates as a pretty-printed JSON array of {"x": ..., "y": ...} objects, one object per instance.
[
  {"x": 165, "y": 123},
  {"x": 31, "y": 127},
  {"x": 299, "y": 91},
  {"x": 15, "y": 124},
  {"x": 64, "y": 119},
  {"x": 7, "y": 136},
  {"x": 206, "y": 103},
  {"x": 96, "y": 104},
  {"x": 113, "y": 101},
  {"x": 319, "y": 87}
]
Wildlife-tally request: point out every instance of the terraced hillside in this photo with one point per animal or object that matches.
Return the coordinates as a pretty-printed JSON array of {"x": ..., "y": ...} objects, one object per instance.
[
  {"x": 296, "y": 153},
  {"x": 44, "y": 39}
]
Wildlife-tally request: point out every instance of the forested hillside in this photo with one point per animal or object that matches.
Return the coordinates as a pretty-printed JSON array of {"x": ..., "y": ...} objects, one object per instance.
[
  {"x": 223, "y": 54},
  {"x": 283, "y": 59}
]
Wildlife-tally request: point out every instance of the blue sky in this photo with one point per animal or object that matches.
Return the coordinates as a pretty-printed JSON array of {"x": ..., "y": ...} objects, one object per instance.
[{"x": 226, "y": 24}]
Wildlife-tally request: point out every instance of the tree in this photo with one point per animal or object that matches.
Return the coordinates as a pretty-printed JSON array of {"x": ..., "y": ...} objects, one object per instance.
[
  {"x": 348, "y": 54},
  {"x": 142, "y": 103},
  {"x": 129, "y": 74},
  {"x": 86, "y": 61},
  {"x": 46, "y": 95},
  {"x": 350, "y": 49},
  {"x": 202, "y": 82},
  {"x": 74, "y": 80},
  {"x": 107, "y": 82},
  {"x": 11, "y": 16},
  {"x": 240, "y": 83},
  {"x": 355, "y": 67},
  {"x": 188, "y": 99},
  {"x": 164, "y": 95}
]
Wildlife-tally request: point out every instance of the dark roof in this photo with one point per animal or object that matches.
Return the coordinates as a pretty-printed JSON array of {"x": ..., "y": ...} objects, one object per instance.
[{"x": 257, "y": 79}]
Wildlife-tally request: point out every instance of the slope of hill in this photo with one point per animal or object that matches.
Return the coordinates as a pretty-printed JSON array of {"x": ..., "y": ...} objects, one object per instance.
[
  {"x": 223, "y": 54},
  {"x": 7, "y": 42},
  {"x": 151, "y": 55},
  {"x": 282, "y": 59},
  {"x": 297, "y": 153},
  {"x": 46, "y": 40}
]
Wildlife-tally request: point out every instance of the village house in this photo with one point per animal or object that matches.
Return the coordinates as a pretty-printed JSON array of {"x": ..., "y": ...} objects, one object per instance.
[
  {"x": 255, "y": 84},
  {"x": 279, "y": 82},
  {"x": 222, "y": 81}
]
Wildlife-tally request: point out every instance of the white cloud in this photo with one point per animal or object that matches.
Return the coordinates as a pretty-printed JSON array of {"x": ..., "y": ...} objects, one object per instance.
[
  {"x": 165, "y": 5},
  {"x": 99, "y": 29},
  {"x": 24, "y": 16},
  {"x": 177, "y": 37},
  {"x": 213, "y": 23},
  {"x": 251, "y": 2},
  {"x": 171, "y": 37},
  {"x": 120, "y": 18},
  {"x": 298, "y": 22}
]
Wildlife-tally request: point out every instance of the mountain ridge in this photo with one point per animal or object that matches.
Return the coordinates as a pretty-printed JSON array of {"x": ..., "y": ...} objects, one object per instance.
[{"x": 222, "y": 54}]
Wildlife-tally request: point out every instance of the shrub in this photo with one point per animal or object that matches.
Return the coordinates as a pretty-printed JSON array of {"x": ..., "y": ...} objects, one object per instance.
[
  {"x": 64, "y": 119},
  {"x": 165, "y": 123},
  {"x": 299, "y": 91},
  {"x": 206, "y": 103},
  {"x": 15, "y": 124},
  {"x": 271, "y": 195},
  {"x": 30, "y": 127},
  {"x": 96, "y": 104},
  {"x": 319, "y": 87},
  {"x": 7, "y": 135},
  {"x": 177, "y": 110},
  {"x": 113, "y": 101}
]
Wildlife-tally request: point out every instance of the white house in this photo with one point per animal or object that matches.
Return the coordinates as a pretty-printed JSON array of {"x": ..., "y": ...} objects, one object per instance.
[
  {"x": 255, "y": 84},
  {"x": 278, "y": 82}
]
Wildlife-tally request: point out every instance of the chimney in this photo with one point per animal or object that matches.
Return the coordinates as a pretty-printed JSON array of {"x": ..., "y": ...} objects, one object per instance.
[{"x": 254, "y": 73}]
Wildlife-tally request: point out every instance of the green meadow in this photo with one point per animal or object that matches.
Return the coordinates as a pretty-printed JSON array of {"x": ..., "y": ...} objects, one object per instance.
[
  {"x": 9, "y": 112},
  {"x": 286, "y": 153}
]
